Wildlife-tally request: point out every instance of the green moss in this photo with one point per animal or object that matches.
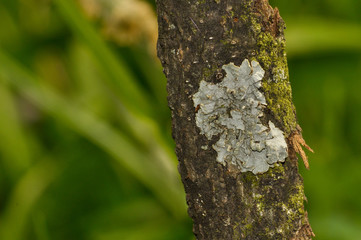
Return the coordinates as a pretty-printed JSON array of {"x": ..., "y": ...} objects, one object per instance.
[
  {"x": 208, "y": 72},
  {"x": 249, "y": 177},
  {"x": 296, "y": 199},
  {"x": 256, "y": 27},
  {"x": 260, "y": 204},
  {"x": 244, "y": 231},
  {"x": 236, "y": 232},
  {"x": 224, "y": 42},
  {"x": 276, "y": 87},
  {"x": 232, "y": 13},
  {"x": 294, "y": 208},
  {"x": 243, "y": 18},
  {"x": 277, "y": 169},
  {"x": 278, "y": 96}
]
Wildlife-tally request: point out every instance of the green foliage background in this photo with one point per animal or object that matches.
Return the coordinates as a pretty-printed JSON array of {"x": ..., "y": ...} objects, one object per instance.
[{"x": 85, "y": 143}]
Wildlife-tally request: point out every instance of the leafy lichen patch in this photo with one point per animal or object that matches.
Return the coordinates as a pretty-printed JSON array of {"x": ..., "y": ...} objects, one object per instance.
[{"x": 232, "y": 109}]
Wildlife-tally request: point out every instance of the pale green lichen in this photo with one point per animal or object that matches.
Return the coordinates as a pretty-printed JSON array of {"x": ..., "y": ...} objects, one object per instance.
[{"x": 232, "y": 108}]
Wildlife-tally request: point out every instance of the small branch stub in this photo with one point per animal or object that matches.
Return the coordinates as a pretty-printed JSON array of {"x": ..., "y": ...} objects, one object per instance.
[{"x": 232, "y": 109}]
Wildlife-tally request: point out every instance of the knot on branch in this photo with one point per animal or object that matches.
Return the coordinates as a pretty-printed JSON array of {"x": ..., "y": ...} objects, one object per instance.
[{"x": 270, "y": 18}]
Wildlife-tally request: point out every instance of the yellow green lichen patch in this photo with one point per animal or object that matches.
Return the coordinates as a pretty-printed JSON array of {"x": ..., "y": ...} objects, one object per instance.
[{"x": 233, "y": 108}]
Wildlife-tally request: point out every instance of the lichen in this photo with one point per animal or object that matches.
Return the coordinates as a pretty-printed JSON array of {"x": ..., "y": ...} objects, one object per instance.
[{"x": 232, "y": 109}]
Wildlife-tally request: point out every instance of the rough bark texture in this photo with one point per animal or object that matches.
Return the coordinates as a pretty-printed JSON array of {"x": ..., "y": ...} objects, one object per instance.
[{"x": 197, "y": 38}]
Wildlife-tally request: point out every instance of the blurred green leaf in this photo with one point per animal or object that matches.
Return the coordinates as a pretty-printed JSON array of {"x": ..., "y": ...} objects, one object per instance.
[
  {"x": 337, "y": 227},
  {"x": 14, "y": 145},
  {"x": 125, "y": 85},
  {"x": 138, "y": 219},
  {"x": 40, "y": 227},
  {"x": 10, "y": 35},
  {"x": 312, "y": 35},
  {"x": 25, "y": 194},
  {"x": 166, "y": 187}
]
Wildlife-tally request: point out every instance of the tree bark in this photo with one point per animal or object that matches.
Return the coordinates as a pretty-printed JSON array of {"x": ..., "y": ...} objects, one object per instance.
[{"x": 233, "y": 119}]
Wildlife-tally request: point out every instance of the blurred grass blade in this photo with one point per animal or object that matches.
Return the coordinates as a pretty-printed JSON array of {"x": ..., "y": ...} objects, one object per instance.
[
  {"x": 147, "y": 231},
  {"x": 312, "y": 35},
  {"x": 338, "y": 226},
  {"x": 169, "y": 191},
  {"x": 122, "y": 81},
  {"x": 14, "y": 146},
  {"x": 86, "y": 75},
  {"x": 140, "y": 218},
  {"x": 40, "y": 226},
  {"x": 139, "y": 123},
  {"x": 145, "y": 130},
  {"x": 25, "y": 194}
]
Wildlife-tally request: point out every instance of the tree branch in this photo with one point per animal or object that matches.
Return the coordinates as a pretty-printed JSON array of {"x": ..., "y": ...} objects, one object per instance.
[{"x": 232, "y": 115}]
